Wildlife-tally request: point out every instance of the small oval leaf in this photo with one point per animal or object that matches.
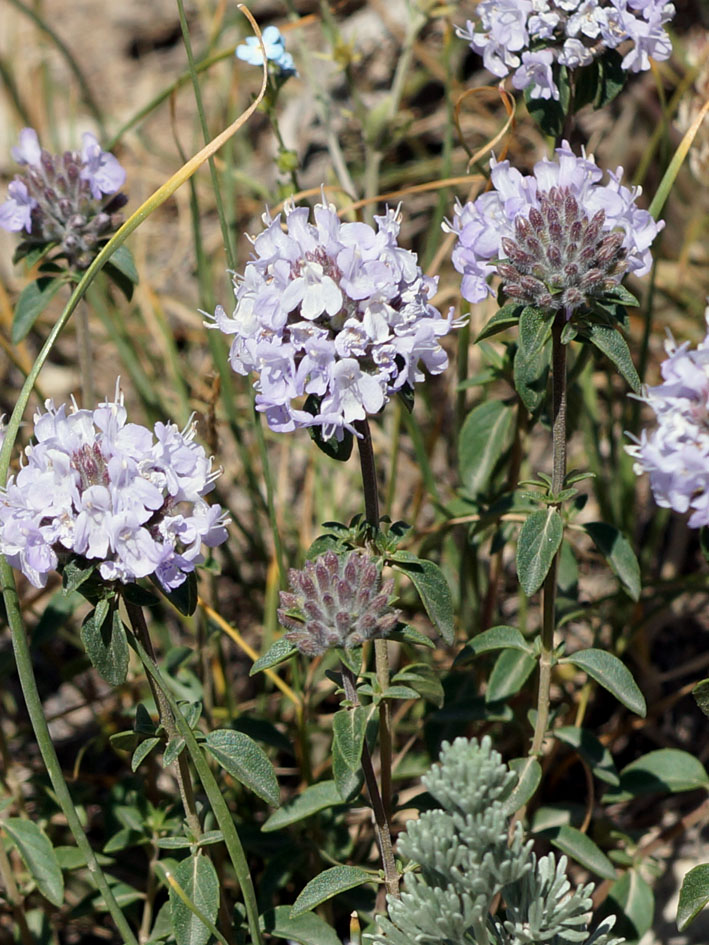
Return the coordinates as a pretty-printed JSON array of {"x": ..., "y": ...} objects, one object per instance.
[
  {"x": 529, "y": 775},
  {"x": 328, "y": 884},
  {"x": 31, "y": 302},
  {"x": 616, "y": 549},
  {"x": 538, "y": 542},
  {"x": 315, "y": 798},
  {"x": 496, "y": 638},
  {"x": 664, "y": 770},
  {"x": 693, "y": 896},
  {"x": 511, "y": 671},
  {"x": 199, "y": 882},
  {"x": 38, "y": 856},
  {"x": 612, "y": 674},
  {"x": 581, "y": 848},
  {"x": 432, "y": 587},
  {"x": 242, "y": 758}
]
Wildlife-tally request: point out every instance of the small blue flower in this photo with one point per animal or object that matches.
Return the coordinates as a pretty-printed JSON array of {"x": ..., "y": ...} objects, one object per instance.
[{"x": 275, "y": 46}]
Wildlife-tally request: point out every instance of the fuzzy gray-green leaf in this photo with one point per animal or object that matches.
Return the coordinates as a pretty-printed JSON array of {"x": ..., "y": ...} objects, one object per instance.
[
  {"x": 244, "y": 760},
  {"x": 538, "y": 542},
  {"x": 38, "y": 856},
  {"x": 328, "y": 884}
]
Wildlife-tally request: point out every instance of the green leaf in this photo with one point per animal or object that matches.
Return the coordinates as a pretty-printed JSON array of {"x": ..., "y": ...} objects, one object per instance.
[
  {"x": 693, "y": 896},
  {"x": 511, "y": 671},
  {"x": 534, "y": 329},
  {"x": 349, "y": 781},
  {"x": 31, "y": 302},
  {"x": 409, "y": 634},
  {"x": 423, "y": 679},
  {"x": 173, "y": 750},
  {"x": 122, "y": 260},
  {"x": 612, "y": 674},
  {"x": 701, "y": 695},
  {"x": 184, "y": 597},
  {"x": 198, "y": 880},
  {"x": 308, "y": 929},
  {"x": 349, "y": 727},
  {"x": 315, "y": 798},
  {"x": 539, "y": 540},
  {"x": 581, "y": 848},
  {"x": 631, "y": 899},
  {"x": 617, "y": 551},
  {"x": 484, "y": 437},
  {"x": 432, "y": 587},
  {"x": 496, "y": 638},
  {"x": 278, "y": 652},
  {"x": 611, "y": 343},
  {"x": 38, "y": 856},
  {"x": 74, "y": 575},
  {"x": 106, "y": 645},
  {"x": 142, "y": 752},
  {"x": 246, "y": 761},
  {"x": 665, "y": 770},
  {"x": 529, "y": 776},
  {"x": 505, "y": 317},
  {"x": 328, "y": 884},
  {"x": 530, "y": 371},
  {"x": 593, "y": 752}
]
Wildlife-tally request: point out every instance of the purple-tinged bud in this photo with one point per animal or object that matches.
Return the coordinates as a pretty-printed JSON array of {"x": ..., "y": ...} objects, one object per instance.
[{"x": 364, "y": 614}]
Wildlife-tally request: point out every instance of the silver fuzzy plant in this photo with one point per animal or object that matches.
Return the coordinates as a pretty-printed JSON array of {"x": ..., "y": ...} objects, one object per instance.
[{"x": 467, "y": 858}]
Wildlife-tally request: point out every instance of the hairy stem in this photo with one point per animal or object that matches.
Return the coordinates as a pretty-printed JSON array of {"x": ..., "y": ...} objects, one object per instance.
[
  {"x": 558, "y": 447},
  {"x": 167, "y": 720},
  {"x": 391, "y": 874},
  {"x": 381, "y": 652}
]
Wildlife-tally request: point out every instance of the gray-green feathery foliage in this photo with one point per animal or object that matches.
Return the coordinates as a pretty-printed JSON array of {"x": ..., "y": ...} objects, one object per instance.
[{"x": 467, "y": 858}]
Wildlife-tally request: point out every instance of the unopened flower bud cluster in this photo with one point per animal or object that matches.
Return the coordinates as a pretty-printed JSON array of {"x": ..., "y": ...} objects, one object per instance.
[
  {"x": 336, "y": 601},
  {"x": 529, "y": 37},
  {"x": 98, "y": 487},
  {"x": 68, "y": 199}
]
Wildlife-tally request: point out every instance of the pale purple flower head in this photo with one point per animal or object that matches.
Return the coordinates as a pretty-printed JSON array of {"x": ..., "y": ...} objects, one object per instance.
[
  {"x": 334, "y": 310},
  {"x": 97, "y": 487},
  {"x": 69, "y": 200},
  {"x": 275, "y": 46},
  {"x": 556, "y": 238},
  {"x": 676, "y": 452},
  {"x": 510, "y": 35}
]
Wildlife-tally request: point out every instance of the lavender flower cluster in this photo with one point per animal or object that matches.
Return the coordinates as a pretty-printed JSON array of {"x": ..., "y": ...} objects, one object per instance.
[
  {"x": 556, "y": 237},
  {"x": 110, "y": 491},
  {"x": 336, "y": 310},
  {"x": 528, "y": 37},
  {"x": 676, "y": 453},
  {"x": 62, "y": 198}
]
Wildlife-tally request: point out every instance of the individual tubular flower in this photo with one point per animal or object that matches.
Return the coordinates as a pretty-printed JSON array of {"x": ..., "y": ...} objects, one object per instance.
[
  {"x": 334, "y": 310},
  {"x": 69, "y": 199},
  {"x": 275, "y": 46},
  {"x": 112, "y": 492},
  {"x": 556, "y": 238},
  {"x": 676, "y": 453},
  {"x": 527, "y": 37},
  {"x": 336, "y": 601}
]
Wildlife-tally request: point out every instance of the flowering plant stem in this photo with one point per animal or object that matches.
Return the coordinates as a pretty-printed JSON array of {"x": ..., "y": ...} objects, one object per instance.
[
  {"x": 221, "y": 811},
  {"x": 167, "y": 720},
  {"x": 23, "y": 661},
  {"x": 558, "y": 446},
  {"x": 381, "y": 652},
  {"x": 391, "y": 874}
]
